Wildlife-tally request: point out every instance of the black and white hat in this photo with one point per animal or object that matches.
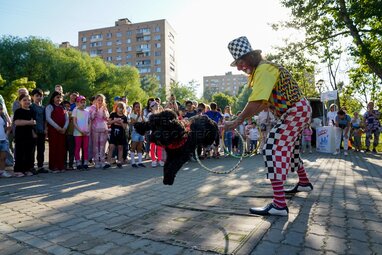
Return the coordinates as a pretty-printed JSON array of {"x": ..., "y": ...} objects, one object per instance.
[{"x": 238, "y": 48}]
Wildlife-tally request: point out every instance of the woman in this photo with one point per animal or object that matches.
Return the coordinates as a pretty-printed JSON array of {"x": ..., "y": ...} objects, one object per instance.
[
  {"x": 58, "y": 121},
  {"x": 273, "y": 86}
]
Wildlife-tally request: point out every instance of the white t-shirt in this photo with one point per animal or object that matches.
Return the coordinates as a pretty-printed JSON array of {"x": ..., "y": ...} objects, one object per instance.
[
  {"x": 331, "y": 117},
  {"x": 253, "y": 133},
  {"x": 263, "y": 116},
  {"x": 82, "y": 121},
  {"x": 3, "y": 136}
]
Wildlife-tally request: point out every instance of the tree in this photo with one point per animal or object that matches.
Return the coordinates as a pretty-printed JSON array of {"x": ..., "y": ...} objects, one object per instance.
[
  {"x": 223, "y": 100},
  {"x": 242, "y": 98},
  {"x": 322, "y": 20},
  {"x": 150, "y": 84},
  {"x": 182, "y": 92},
  {"x": 10, "y": 92}
]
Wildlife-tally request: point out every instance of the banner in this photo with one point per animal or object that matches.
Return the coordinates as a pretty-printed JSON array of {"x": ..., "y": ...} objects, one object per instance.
[{"x": 328, "y": 95}]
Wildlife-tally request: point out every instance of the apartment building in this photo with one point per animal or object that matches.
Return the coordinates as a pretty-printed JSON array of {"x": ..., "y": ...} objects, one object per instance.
[
  {"x": 229, "y": 82},
  {"x": 149, "y": 46}
]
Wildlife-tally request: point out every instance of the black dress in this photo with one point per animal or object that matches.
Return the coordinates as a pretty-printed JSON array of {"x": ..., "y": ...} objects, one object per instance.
[
  {"x": 24, "y": 142},
  {"x": 118, "y": 134}
]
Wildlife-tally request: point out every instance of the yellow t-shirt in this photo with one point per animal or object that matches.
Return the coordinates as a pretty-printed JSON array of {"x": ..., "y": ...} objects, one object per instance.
[{"x": 262, "y": 81}]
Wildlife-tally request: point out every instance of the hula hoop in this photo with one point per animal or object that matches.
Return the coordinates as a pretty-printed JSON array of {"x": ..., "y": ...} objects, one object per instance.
[
  {"x": 251, "y": 154},
  {"x": 225, "y": 172}
]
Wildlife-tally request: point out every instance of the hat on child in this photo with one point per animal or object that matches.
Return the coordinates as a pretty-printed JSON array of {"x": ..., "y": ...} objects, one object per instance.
[{"x": 79, "y": 98}]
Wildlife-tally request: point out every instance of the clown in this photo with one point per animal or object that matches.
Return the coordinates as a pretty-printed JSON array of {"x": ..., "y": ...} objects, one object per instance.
[{"x": 273, "y": 86}]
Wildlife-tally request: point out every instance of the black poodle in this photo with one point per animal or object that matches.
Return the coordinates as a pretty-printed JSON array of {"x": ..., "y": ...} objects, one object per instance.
[{"x": 179, "y": 138}]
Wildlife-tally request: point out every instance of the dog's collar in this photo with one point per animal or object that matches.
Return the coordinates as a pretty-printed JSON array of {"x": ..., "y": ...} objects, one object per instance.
[{"x": 177, "y": 145}]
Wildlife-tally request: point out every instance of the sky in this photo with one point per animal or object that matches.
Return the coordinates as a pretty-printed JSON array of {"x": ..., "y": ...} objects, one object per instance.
[{"x": 204, "y": 27}]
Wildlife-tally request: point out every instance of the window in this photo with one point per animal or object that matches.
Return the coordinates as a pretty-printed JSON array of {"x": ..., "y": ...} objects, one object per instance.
[
  {"x": 144, "y": 70},
  {"x": 157, "y": 29},
  {"x": 147, "y": 38},
  {"x": 128, "y": 48},
  {"x": 109, "y": 43},
  {"x": 118, "y": 34},
  {"x": 109, "y": 50},
  {"x": 128, "y": 56},
  {"x": 144, "y": 30},
  {"x": 96, "y": 37},
  {"x": 157, "y": 53},
  {"x": 119, "y": 58},
  {"x": 93, "y": 53},
  {"x": 83, "y": 46},
  {"x": 157, "y": 37},
  {"x": 158, "y": 70},
  {"x": 109, "y": 58},
  {"x": 95, "y": 44},
  {"x": 109, "y": 35},
  {"x": 83, "y": 39},
  {"x": 128, "y": 33},
  {"x": 128, "y": 63},
  {"x": 128, "y": 40},
  {"x": 157, "y": 45},
  {"x": 118, "y": 42},
  {"x": 119, "y": 50},
  {"x": 157, "y": 61}
]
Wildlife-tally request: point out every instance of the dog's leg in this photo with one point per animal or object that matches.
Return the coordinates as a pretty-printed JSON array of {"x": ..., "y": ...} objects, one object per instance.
[{"x": 172, "y": 166}]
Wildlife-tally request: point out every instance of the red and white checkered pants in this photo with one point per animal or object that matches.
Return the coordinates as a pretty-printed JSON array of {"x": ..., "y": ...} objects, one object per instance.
[{"x": 282, "y": 147}]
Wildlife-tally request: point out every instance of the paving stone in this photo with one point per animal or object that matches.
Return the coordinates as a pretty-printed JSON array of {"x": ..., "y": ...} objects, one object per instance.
[
  {"x": 313, "y": 241},
  {"x": 101, "y": 249},
  {"x": 265, "y": 247},
  {"x": 336, "y": 244},
  {"x": 294, "y": 238},
  {"x": 356, "y": 247}
]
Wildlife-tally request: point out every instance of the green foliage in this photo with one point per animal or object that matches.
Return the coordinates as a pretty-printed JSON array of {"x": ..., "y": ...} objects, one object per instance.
[
  {"x": 41, "y": 61},
  {"x": 242, "y": 98},
  {"x": 183, "y": 92},
  {"x": 223, "y": 100},
  {"x": 10, "y": 92},
  {"x": 151, "y": 84}
]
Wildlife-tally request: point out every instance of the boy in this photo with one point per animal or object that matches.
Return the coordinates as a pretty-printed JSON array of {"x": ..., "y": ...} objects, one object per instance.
[{"x": 39, "y": 116}]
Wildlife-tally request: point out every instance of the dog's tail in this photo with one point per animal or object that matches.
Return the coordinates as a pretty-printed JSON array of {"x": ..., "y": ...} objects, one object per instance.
[{"x": 142, "y": 127}]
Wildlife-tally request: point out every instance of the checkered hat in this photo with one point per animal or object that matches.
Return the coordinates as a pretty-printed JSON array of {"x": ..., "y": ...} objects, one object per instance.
[{"x": 238, "y": 48}]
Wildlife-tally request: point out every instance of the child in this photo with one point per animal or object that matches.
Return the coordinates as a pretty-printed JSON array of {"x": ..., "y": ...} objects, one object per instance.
[
  {"x": 155, "y": 150},
  {"x": 4, "y": 147},
  {"x": 253, "y": 134},
  {"x": 69, "y": 138},
  {"x": 307, "y": 138},
  {"x": 228, "y": 136},
  {"x": 356, "y": 131},
  {"x": 136, "y": 139},
  {"x": 118, "y": 122},
  {"x": 24, "y": 138},
  {"x": 81, "y": 132},
  {"x": 39, "y": 116},
  {"x": 58, "y": 121},
  {"x": 99, "y": 129}
]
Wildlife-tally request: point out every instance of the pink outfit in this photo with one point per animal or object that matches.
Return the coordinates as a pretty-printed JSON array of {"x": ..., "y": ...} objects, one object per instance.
[
  {"x": 307, "y": 134},
  {"x": 99, "y": 133},
  {"x": 81, "y": 142}
]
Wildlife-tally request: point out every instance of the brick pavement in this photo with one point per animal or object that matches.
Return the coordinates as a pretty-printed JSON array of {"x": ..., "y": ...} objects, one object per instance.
[{"x": 72, "y": 212}]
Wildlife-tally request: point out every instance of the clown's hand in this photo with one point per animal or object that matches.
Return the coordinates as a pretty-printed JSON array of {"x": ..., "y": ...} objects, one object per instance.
[{"x": 228, "y": 125}]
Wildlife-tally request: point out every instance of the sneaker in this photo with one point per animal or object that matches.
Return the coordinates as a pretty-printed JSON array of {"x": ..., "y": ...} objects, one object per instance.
[
  {"x": 367, "y": 150},
  {"x": 270, "y": 209},
  {"x": 134, "y": 165},
  {"x": 86, "y": 167},
  {"x": 161, "y": 163},
  {"x": 336, "y": 153},
  {"x": 42, "y": 170},
  {"x": 106, "y": 166},
  {"x": 33, "y": 171},
  {"x": 375, "y": 150},
  {"x": 5, "y": 174},
  {"x": 119, "y": 165},
  {"x": 154, "y": 164},
  {"x": 79, "y": 167},
  {"x": 141, "y": 165},
  {"x": 299, "y": 187},
  {"x": 345, "y": 153}
]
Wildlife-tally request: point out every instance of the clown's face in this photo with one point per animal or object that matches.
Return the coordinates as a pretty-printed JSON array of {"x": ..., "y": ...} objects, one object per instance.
[{"x": 242, "y": 65}]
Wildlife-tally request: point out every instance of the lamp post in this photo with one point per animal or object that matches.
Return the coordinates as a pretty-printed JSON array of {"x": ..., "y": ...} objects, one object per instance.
[{"x": 320, "y": 86}]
